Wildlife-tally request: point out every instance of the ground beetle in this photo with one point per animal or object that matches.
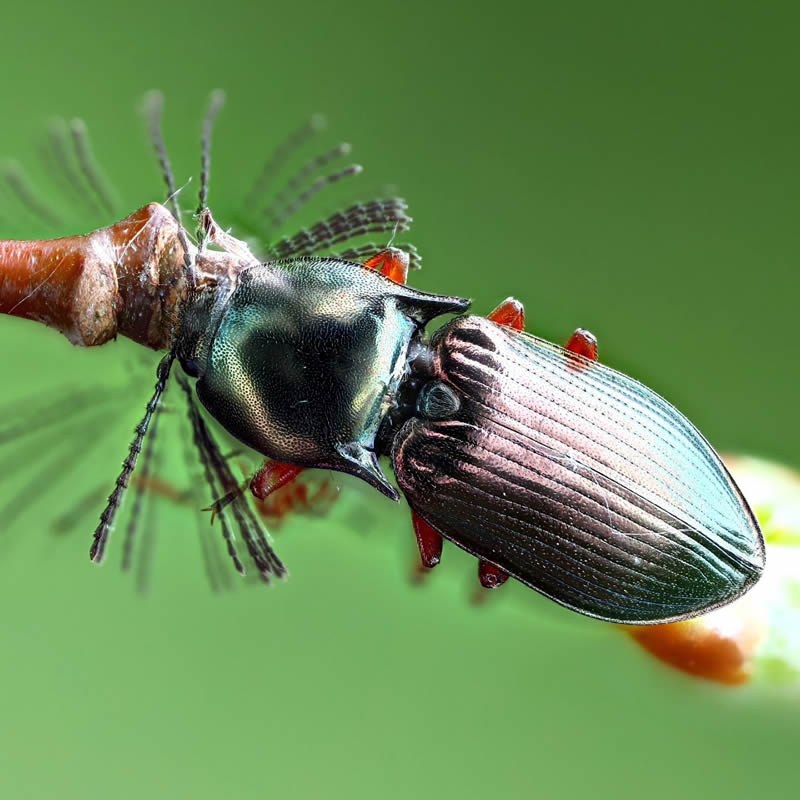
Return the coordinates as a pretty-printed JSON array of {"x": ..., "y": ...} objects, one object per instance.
[{"x": 546, "y": 465}]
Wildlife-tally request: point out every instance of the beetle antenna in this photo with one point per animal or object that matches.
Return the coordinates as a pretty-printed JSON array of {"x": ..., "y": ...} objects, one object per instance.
[
  {"x": 101, "y": 534},
  {"x": 56, "y": 156},
  {"x": 215, "y": 104},
  {"x": 89, "y": 166},
  {"x": 200, "y": 435},
  {"x": 27, "y": 195},
  {"x": 281, "y": 155},
  {"x": 306, "y": 171},
  {"x": 264, "y": 557},
  {"x": 154, "y": 108},
  {"x": 252, "y": 532},
  {"x": 148, "y": 543},
  {"x": 69, "y": 518},
  {"x": 63, "y": 463},
  {"x": 56, "y": 466},
  {"x": 31, "y": 416},
  {"x": 217, "y": 576},
  {"x": 301, "y": 199},
  {"x": 378, "y": 216}
]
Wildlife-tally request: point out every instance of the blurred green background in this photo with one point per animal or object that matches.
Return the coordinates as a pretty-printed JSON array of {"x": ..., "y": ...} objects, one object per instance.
[{"x": 627, "y": 167}]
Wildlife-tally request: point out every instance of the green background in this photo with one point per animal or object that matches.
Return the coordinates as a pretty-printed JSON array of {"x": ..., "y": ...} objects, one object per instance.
[{"x": 627, "y": 167}]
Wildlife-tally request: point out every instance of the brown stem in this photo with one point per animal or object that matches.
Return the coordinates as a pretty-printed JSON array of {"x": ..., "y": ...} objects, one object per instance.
[{"x": 127, "y": 279}]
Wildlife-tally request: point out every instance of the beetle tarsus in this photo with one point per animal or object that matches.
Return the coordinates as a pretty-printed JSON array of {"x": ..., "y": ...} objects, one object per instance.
[
  {"x": 312, "y": 494},
  {"x": 491, "y": 576}
]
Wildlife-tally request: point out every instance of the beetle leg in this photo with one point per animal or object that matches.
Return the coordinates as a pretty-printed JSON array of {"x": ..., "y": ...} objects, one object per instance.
[
  {"x": 271, "y": 477},
  {"x": 279, "y": 492},
  {"x": 584, "y": 344},
  {"x": 428, "y": 540},
  {"x": 391, "y": 262},
  {"x": 491, "y": 576},
  {"x": 306, "y": 495},
  {"x": 511, "y": 313}
]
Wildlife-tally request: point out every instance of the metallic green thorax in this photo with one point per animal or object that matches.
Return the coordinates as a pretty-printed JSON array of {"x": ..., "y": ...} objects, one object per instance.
[{"x": 301, "y": 360}]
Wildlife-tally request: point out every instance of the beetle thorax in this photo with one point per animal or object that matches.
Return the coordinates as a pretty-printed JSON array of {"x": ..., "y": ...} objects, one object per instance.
[{"x": 302, "y": 360}]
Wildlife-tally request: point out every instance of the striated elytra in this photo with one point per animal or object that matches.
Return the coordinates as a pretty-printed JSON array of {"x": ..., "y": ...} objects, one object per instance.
[{"x": 577, "y": 480}]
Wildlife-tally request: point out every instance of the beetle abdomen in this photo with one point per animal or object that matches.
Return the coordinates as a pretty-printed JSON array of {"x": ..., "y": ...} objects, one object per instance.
[{"x": 575, "y": 479}]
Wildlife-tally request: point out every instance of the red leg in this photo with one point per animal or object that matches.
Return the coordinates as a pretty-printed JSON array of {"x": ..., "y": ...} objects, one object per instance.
[
  {"x": 510, "y": 312},
  {"x": 428, "y": 541},
  {"x": 491, "y": 576},
  {"x": 271, "y": 477},
  {"x": 280, "y": 493},
  {"x": 310, "y": 493},
  {"x": 391, "y": 262},
  {"x": 584, "y": 344}
]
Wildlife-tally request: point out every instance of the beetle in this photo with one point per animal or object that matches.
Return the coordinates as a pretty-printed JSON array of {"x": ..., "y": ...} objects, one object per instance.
[{"x": 545, "y": 464}]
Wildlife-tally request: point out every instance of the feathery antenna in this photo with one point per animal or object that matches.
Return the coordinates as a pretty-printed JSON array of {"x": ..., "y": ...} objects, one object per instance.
[
  {"x": 54, "y": 460},
  {"x": 27, "y": 195},
  {"x": 378, "y": 216},
  {"x": 149, "y": 538},
  {"x": 89, "y": 166},
  {"x": 251, "y": 530},
  {"x": 199, "y": 435},
  {"x": 218, "y": 577},
  {"x": 31, "y": 415},
  {"x": 307, "y": 170},
  {"x": 56, "y": 154},
  {"x": 215, "y": 104},
  {"x": 315, "y": 188},
  {"x": 281, "y": 155},
  {"x": 154, "y": 108}
]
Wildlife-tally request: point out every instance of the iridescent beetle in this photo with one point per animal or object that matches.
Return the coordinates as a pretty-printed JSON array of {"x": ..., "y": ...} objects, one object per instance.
[{"x": 546, "y": 465}]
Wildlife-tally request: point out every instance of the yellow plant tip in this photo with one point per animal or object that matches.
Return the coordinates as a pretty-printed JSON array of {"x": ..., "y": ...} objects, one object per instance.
[{"x": 774, "y": 493}]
